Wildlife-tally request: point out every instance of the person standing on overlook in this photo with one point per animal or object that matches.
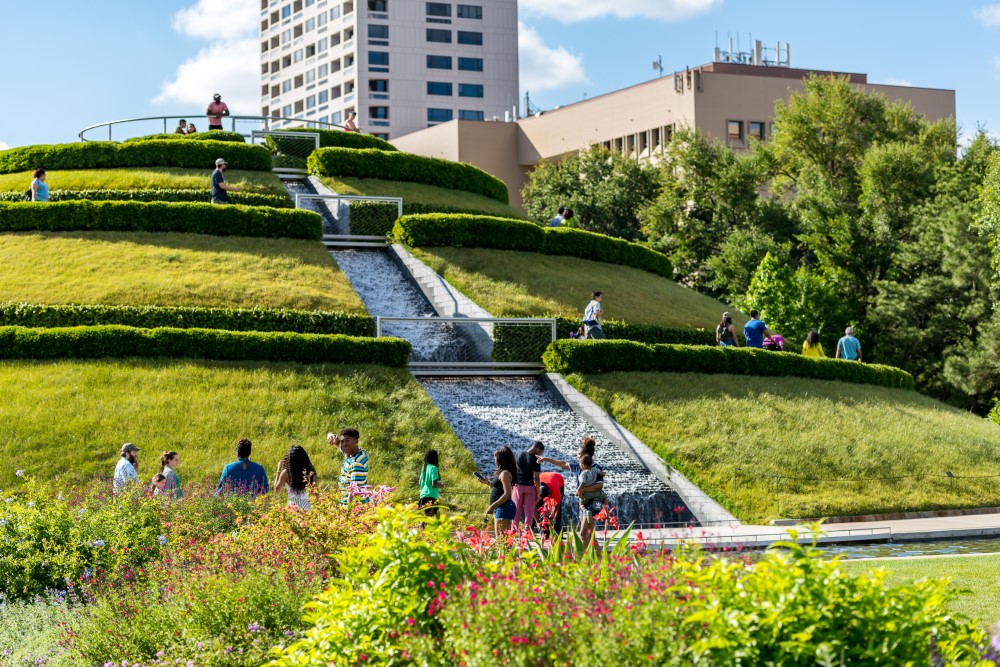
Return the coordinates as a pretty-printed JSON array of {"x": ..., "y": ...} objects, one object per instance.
[
  {"x": 849, "y": 347},
  {"x": 221, "y": 189},
  {"x": 181, "y": 127},
  {"x": 215, "y": 111},
  {"x": 349, "y": 124}
]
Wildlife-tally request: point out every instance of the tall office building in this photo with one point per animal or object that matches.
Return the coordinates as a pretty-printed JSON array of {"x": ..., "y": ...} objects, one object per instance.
[{"x": 402, "y": 65}]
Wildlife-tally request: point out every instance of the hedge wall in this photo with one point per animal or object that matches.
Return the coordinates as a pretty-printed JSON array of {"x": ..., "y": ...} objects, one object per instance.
[
  {"x": 570, "y": 356},
  {"x": 155, "y": 153},
  {"x": 131, "y": 216},
  {"x": 341, "y": 139},
  {"x": 217, "y": 135},
  {"x": 184, "y": 317},
  {"x": 378, "y": 218},
  {"x": 398, "y": 166},
  {"x": 117, "y": 342},
  {"x": 170, "y": 195},
  {"x": 651, "y": 334},
  {"x": 480, "y": 231}
]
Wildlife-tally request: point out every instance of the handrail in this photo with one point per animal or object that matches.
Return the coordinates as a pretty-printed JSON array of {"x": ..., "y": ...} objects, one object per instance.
[{"x": 267, "y": 120}]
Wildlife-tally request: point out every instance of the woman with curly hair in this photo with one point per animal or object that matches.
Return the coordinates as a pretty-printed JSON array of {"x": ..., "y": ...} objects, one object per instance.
[
  {"x": 502, "y": 490},
  {"x": 295, "y": 474}
]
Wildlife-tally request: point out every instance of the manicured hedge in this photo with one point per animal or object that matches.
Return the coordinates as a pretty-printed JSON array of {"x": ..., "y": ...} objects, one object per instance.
[
  {"x": 570, "y": 356},
  {"x": 378, "y": 218},
  {"x": 217, "y": 135},
  {"x": 173, "y": 195},
  {"x": 480, "y": 231},
  {"x": 131, "y": 216},
  {"x": 651, "y": 334},
  {"x": 187, "y": 317},
  {"x": 397, "y": 166},
  {"x": 118, "y": 341},
  {"x": 155, "y": 153},
  {"x": 342, "y": 139}
]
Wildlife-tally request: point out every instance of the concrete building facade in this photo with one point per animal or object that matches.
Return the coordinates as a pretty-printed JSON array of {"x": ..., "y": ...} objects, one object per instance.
[{"x": 402, "y": 65}]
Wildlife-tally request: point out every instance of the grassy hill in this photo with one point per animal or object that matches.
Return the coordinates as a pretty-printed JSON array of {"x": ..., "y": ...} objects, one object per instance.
[
  {"x": 147, "y": 178},
  {"x": 836, "y": 449},
  {"x": 425, "y": 197},
  {"x": 526, "y": 284}
]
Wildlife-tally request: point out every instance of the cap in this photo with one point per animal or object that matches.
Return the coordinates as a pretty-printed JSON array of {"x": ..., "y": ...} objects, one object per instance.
[
  {"x": 219, "y": 162},
  {"x": 217, "y": 96},
  {"x": 129, "y": 447}
]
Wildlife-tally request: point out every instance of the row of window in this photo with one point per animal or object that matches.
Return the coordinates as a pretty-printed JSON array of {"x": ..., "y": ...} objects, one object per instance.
[
  {"x": 444, "y": 115},
  {"x": 755, "y": 130},
  {"x": 446, "y": 88},
  {"x": 443, "y": 10},
  {"x": 320, "y": 20},
  {"x": 442, "y": 36},
  {"x": 464, "y": 64}
]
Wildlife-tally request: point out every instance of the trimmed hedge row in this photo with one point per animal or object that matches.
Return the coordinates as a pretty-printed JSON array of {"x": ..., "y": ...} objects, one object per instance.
[
  {"x": 398, "y": 166},
  {"x": 651, "y": 334},
  {"x": 609, "y": 356},
  {"x": 187, "y": 317},
  {"x": 341, "y": 139},
  {"x": 155, "y": 153},
  {"x": 133, "y": 216},
  {"x": 377, "y": 218},
  {"x": 169, "y": 195},
  {"x": 216, "y": 135},
  {"x": 480, "y": 231},
  {"x": 117, "y": 342}
]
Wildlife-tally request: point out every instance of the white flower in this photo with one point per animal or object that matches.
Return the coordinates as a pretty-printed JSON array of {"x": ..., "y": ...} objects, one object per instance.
[
  {"x": 97, "y": 543},
  {"x": 163, "y": 539},
  {"x": 31, "y": 503},
  {"x": 19, "y": 473}
]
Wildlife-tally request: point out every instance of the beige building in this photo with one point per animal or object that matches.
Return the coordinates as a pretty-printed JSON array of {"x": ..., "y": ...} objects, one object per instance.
[{"x": 731, "y": 101}]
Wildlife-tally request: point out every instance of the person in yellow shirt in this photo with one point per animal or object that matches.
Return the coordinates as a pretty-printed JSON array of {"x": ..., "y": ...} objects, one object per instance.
[{"x": 812, "y": 347}]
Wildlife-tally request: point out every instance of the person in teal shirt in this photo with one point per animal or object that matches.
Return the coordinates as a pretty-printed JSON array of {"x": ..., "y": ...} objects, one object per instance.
[
  {"x": 430, "y": 483},
  {"x": 849, "y": 347},
  {"x": 39, "y": 188}
]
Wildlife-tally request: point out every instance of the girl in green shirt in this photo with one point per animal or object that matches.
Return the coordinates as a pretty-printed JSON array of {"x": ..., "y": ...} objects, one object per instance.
[{"x": 430, "y": 483}]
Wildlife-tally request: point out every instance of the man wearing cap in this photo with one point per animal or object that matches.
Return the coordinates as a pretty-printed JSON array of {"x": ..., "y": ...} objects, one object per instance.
[
  {"x": 216, "y": 110},
  {"x": 219, "y": 186},
  {"x": 125, "y": 471},
  {"x": 849, "y": 347}
]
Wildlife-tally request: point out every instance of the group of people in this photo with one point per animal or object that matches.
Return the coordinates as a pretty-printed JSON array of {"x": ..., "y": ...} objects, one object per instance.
[
  {"x": 563, "y": 215},
  {"x": 215, "y": 112},
  {"x": 295, "y": 474},
  {"x": 756, "y": 333}
]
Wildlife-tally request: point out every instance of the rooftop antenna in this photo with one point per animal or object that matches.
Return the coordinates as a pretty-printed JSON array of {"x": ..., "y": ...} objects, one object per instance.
[{"x": 658, "y": 65}]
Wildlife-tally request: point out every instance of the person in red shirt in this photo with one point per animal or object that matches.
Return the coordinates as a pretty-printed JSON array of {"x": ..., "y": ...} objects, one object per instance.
[
  {"x": 552, "y": 488},
  {"x": 215, "y": 111}
]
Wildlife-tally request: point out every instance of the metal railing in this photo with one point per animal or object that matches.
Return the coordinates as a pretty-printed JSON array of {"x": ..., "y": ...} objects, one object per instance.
[
  {"x": 289, "y": 150},
  {"x": 168, "y": 123},
  {"x": 351, "y": 219}
]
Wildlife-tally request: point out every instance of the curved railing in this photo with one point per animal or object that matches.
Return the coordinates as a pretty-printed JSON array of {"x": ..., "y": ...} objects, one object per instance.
[{"x": 242, "y": 124}]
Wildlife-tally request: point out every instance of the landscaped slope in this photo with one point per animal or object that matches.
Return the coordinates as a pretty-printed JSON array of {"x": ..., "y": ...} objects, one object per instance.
[
  {"x": 836, "y": 448},
  {"x": 420, "y": 198},
  {"x": 144, "y": 178}
]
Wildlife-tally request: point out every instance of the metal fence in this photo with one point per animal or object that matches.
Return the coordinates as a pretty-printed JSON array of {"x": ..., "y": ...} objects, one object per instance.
[
  {"x": 354, "y": 216},
  {"x": 289, "y": 150},
  {"x": 116, "y": 130}
]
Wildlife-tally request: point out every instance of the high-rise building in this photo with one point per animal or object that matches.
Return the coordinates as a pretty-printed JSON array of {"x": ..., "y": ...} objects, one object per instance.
[{"x": 402, "y": 65}]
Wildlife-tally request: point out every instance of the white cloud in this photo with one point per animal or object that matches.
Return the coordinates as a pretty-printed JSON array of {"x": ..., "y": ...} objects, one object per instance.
[
  {"x": 989, "y": 15},
  {"x": 218, "y": 19},
  {"x": 229, "y": 68},
  {"x": 4, "y": 145},
  {"x": 892, "y": 81},
  {"x": 544, "y": 68},
  {"x": 569, "y": 11}
]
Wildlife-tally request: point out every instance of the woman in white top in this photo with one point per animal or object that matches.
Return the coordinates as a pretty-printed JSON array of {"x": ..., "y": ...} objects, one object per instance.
[{"x": 296, "y": 474}]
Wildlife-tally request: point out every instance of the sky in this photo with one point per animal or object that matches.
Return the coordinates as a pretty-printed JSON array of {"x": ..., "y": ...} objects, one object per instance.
[{"x": 68, "y": 64}]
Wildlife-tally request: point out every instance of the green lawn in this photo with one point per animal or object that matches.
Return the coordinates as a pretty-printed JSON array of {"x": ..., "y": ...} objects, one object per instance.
[
  {"x": 976, "y": 578},
  {"x": 526, "y": 284},
  {"x": 171, "y": 270},
  {"x": 65, "y": 421},
  {"x": 426, "y": 195},
  {"x": 728, "y": 433},
  {"x": 145, "y": 178}
]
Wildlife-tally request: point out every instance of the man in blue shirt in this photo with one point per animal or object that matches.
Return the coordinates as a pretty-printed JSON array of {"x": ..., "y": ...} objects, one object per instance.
[
  {"x": 755, "y": 331},
  {"x": 849, "y": 347},
  {"x": 243, "y": 476}
]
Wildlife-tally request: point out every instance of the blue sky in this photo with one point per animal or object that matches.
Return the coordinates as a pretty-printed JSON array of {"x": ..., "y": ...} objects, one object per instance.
[{"x": 73, "y": 63}]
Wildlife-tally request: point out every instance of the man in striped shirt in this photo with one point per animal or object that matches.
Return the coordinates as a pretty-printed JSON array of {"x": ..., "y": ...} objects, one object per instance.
[{"x": 354, "y": 469}]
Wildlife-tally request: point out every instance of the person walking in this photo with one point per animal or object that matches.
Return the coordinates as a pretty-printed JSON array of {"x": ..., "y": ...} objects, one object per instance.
[
  {"x": 127, "y": 468},
  {"x": 430, "y": 483},
  {"x": 811, "y": 347},
  {"x": 221, "y": 189},
  {"x": 526, "y": 488},
  {"x": 354, "y": 469},
  {"x": 39, "y": 188},
  {"x": 243, "y": 475},
  {"x": 756, "y": 331},
  {"x": 849, "y": 347},
  {"x": 168, "y": 462},
  {"x": 725, "y": 333},
  {"x": 295, "y": 475},
  {"x": 215, "y": 111},
  {"x": 501, "y": 485},
  {"x": 593, "y": 315}
]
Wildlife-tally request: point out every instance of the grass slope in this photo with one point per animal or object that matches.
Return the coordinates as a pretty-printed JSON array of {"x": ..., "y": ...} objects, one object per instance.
[
  {"x": 976, "y": 578},
  {"x": 171, "y": 270},
  {"x": 426, "y": 195},
  {"x": 147, "y": 178},
  {"x": 526, "y": 284},
  {"x": 65, "y": 421},
  {"x": 728, "y": 433}
]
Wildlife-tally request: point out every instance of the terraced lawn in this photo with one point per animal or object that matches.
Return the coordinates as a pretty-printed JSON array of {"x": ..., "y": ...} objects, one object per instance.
[
  {"x": 145, "y": 178},
  {"x": 428, "y": 196}
]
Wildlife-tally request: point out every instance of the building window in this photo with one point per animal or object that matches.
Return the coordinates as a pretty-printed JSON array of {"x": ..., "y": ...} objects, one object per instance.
[
  {"x": 336, "y": 117},
  {"x": 470, "y": 115},
  {"x": 438, "y": 9},
  {"x": 439, "y": 88},
  {"x": 470, "y": 64},
  {"x": 310, "y": 24},
  {"x": 286, "y": 11},
  {"x": 469, "y": 12},
  {"x": 466, "y": 37},
  {"x": 378, "y": 58},
  {"x": 286, "y": 111},
  {"x": 310, "y": 101},
  {"x": 310, "y": 76},
  {"x": 757, "y": 130},
  {"x": 323, "y": 70},
  {"x": 470, "y": 90},
  {"x": 438, "y": 35},
  {"x": 439, "y": 115},
  {"x": 323, "y": 44},
  {"x": 378, "y": 31},
  {"x": 378, "y": 112},
  {"x": 286, "y": 86},
  {"x": 321, "y": 20},
  {"x": 734, "y": 130},
  {"x": 324, "y": 96},
  {"x": 378, "y": 6},
  {"x": 378, "y": 85},
  {"x": 439, "y": 62},
  {"x": 297, "y": 56},
  {"x": 384, "y": 136},
  {"x": 335, "y": 13}
]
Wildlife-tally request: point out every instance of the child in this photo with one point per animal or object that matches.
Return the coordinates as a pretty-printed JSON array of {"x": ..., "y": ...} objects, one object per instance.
[
  {"x": 593, "y": 501},
  {"x": 579, "y": 334},
  {"x": 158, "y": 484}
]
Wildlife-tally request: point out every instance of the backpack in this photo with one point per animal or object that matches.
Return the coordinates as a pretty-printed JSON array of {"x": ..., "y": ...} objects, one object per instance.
[
  {"x": 27, "y": 196},
  {"x": 723, "y": 333}
]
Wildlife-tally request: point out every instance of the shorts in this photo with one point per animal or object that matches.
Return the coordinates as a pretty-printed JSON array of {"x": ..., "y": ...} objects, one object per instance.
[
  {"x": 595, "y": 332},
  {"x": 430, "y": 503},
  {"x": 215, "y": 127},
  {"x": 505, "y": 512},
  {"x": 725, "y": 343},
  {"x": 590, "y": 509}
]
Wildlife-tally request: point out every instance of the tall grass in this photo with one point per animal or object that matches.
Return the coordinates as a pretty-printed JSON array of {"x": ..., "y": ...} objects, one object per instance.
[
  {"x": 431, "y": 196},
  {"x": 733, "y": 434},
  {"x": 171, "y": 270},
  {"x": 145, "y": 178}
]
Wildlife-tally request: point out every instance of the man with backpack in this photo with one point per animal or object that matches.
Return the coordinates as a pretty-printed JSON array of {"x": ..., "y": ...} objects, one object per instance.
[{"x": 592, "y": 316}]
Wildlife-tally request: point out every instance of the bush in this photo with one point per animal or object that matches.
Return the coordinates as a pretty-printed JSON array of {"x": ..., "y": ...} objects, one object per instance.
[
  {"x": 570, "y": 356},
  {"x": 178, "y": 195},
  {"x": 373, "y": 218},
  {"x": 341, "y": 139},
  {"x": 644, "y": 333},
  {"x": 217, "y": 135},
  {"x": 397, "y": 166},
  {"x": 478, "y": 231},
  {"x": 154, "y": 153},
  {"x": 115, "y": 341},
  {"x": 37, "y": 315},
  {"x": 130, "y": 216}
]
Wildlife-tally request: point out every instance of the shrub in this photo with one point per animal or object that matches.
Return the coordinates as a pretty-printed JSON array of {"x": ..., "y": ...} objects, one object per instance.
[
  {"x": 38, "y": 315},
  {"x": 153, "y": 153},
  {"x": 177, "y": 195},
  {"x": 578, "y": 243},
  {"x": 397, "y": 166},
  {"x": 570, "y": 356},
  {"x": 643, "y": 333},
  {"x": 216, "y": 135},
  {"x": 341, "y": 139},
  {"x": 117, "y": 341},
  {"x": 191, "y": 218},
  {"x": 373, "y": 218}
]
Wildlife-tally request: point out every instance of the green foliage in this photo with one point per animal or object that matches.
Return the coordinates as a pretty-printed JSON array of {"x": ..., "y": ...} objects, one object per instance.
[
  {"x": 373, "y": 218},
  {"x": 157, "y": 153},
  {"x": 215, "y": 135},
  {"x": 115, "y": 341},
  {"x": 132, "y": 216},
  {"x": 38, "y": 315},
  {"x": 341, "y": 139},
  {"x": 419, "y": 198},
  {"x": 392, "y": 165},
  {"x": 605, "y": 189},
  {"x": 570, "y": 356},
  {"x": 642, "y": 332},
  {"x": 160, "y": 194}
]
